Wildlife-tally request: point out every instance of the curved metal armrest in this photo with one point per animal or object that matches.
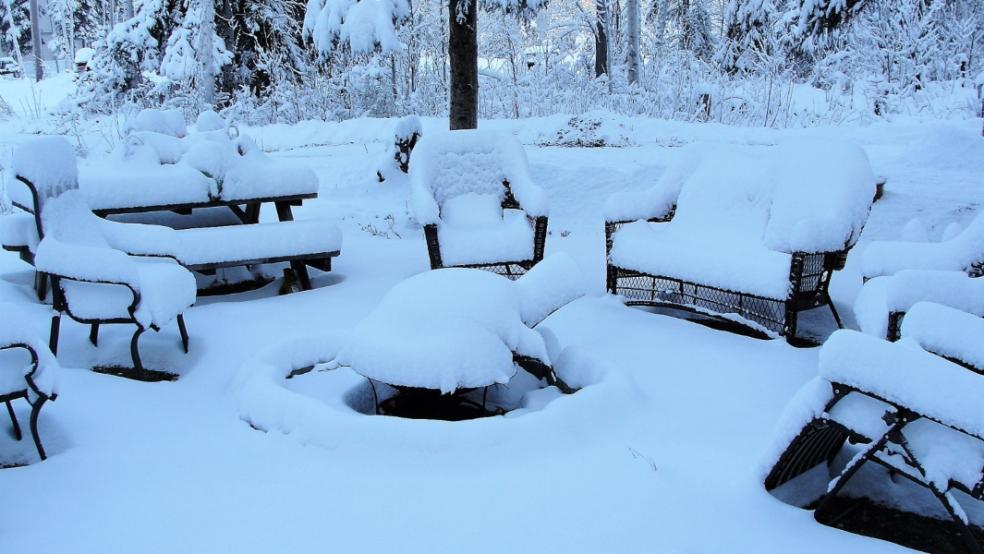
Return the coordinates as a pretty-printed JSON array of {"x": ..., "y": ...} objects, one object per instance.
[{"x": 29, "y": 376}]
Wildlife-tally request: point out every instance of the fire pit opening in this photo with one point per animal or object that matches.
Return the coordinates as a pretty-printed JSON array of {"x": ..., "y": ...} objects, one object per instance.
[{"x": 421, "y": 403}]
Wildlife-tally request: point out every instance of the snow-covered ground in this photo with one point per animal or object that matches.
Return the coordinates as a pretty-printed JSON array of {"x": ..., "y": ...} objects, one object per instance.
[{"x": 667, "y": 461}]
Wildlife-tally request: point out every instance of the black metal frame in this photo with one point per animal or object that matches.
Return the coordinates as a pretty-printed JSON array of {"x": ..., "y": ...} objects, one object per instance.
[
  {"x": 809, "y": 281},
  {"x": 25, "y": 393},
  {"x": 512, "y": 269},
  {"x": 62, "y": 307},
  {"x": 822, "y": 438}
]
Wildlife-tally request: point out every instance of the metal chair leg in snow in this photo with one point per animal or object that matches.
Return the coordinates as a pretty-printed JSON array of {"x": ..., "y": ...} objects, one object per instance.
[
  {"x": 94, "y": 334},
  {"x": 13, "y": 421},
  {"x": 184, "y": 332},
  {"x": 833, "y": 311},
  {"x": 35, "y": 413},
  {"x": 135, "y": 349}
]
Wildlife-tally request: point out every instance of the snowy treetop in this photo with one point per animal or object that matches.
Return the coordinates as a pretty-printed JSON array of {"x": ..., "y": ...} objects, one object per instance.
[{"x": 363, "y": 25}]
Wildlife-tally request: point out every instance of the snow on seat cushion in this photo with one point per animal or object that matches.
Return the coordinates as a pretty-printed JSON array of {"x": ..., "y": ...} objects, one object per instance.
[
  {"x": 509, "y": 240},
  {"x": 666, "y": 250},
  {"x": 119, "y": 185},
  {"x": 18, "y": 229},
  {"x": 881, "y": 296},
  {"x": 257, "y": 241},
  {"x": 166, "y": 290},
  {"x": 256, "y": 175},
  {"x": 946, "y": 455},
  {"x": 946, "y": 331},
  {"x": 904, "y": 374},
  {"x": 958, "y": 253}
]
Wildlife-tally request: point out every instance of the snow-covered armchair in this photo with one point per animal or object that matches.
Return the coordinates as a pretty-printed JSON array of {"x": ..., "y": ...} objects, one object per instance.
[
  {"x": 472, "y": 193},
  {"x": 883, "y": 301},
  {"x": 755, "y": 236},
  {"x": 912, "y": 407},
  {"x": 95, "y": 283},
  {"x": 31, "y": 377},
  {"x": 963, "y": 252}
]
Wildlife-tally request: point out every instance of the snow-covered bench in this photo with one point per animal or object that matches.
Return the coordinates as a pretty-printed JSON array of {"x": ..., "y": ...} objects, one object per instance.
[
  {"x": 915, "y": 413},
  {"x": 753, "y": 235},
  {"x": 884, "y": 300},
  {"x": 32, "y": 378},
  {"x": 472, "y": 192},
  {"x": 301, "y": 243},
  {"x": 963, "y": 252}
]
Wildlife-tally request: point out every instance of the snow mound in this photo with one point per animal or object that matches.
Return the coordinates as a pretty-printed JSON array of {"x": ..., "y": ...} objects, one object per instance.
[
  {"x": 883, "y": 295},
  {"x": 210, "y": 121},
  {"x": 452, "y": 163},
  {"x": 49, "y": 164},
  {"x": 256, "y": 175},
  {"x": 592, "y": 130},
  {"x": 959, "y": 253},
  {"x": 166, "y": 122}
]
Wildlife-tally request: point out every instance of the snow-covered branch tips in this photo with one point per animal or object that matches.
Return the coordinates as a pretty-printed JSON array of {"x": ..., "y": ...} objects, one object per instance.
[{"x": 364, "y": 25}]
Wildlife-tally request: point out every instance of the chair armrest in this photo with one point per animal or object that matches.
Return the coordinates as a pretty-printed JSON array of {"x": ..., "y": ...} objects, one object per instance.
[
  {"x": 530, "y": 197},
  {"x": 86, "y": 263},
  {"x": 652, "y": 205}
]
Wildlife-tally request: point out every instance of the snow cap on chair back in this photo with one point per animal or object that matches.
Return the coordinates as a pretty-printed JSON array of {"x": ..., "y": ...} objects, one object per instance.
[
  {"x": 49, "y": 164},
  {"x": 68, "y": 219}
]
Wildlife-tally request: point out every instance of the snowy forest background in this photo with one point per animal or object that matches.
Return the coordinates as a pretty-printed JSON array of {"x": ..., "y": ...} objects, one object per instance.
[{"x": 774, "y": 63}]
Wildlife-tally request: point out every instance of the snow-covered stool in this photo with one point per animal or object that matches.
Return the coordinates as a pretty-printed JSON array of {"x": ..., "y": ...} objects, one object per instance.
[
  {"x": 96, "y": 284},
  {"x": 33, "y": 378},
  {"x": 963, "y": 252},
  {"x": 754, "y": 238},
  {"x": 300, "y": 243},
  {"x": 456, "y": 330},
  {"x": 472, "y": 192},
  {"x": 891, "y": 404},
  {"x": 883, "y": 301}
]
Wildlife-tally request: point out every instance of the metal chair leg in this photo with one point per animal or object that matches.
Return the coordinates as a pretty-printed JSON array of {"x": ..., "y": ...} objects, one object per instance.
[
  {"x": 53, "y": 337},
  {"x": 135, "y": 349},
  {"x": 184, "y": 332},
  {"x": 13, "y": 420},
  {"x": 94, "y": 334},
  {"x": 41, "y": 285},
  {"x": 35, "y": 412},
  {"x": 852, "y": 468},
  {"x": 833, "y": 310}
]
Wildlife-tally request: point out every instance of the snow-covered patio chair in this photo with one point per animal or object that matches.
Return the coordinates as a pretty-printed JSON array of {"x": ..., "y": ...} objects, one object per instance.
[
  {"x": 911, "y": 406},
  {"x": 472, "y": 192},
  {"x": 884, "y": 300},
  {"x": 96, "y": 284},
  {"x": 963, "y": 252},
  {"x": 31, "y": 377},
  {"x": 755, "y": 234}
]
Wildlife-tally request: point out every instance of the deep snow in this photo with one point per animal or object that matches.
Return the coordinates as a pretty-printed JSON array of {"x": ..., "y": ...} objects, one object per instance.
[{"x": 669, "y": 460}]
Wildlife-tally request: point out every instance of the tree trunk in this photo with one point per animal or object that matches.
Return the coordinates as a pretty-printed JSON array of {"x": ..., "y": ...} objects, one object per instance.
[
  {"x": 601, "y": 38},
  {"x": 205, "y": 52},
  {"x": 463, "y": 55},
  {"x": 632, "y": 12},
  {"x": 35, "y": 41},
  {"x": 128, "y": 9},
  {"x": 224, "y": 28}
]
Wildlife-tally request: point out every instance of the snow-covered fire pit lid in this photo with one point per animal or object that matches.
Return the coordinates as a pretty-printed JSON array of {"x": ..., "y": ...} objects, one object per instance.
[{"x": 453, "y": 329}]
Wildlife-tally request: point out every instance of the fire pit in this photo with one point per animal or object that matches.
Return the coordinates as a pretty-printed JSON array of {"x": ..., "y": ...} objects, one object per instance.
[{"x": 440, "y": 339}]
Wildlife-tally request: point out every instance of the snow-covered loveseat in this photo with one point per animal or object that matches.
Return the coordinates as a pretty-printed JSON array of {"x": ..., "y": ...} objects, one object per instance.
[
  {"x": 751, "y": 234},
  {"x": 472, "y": 193}
]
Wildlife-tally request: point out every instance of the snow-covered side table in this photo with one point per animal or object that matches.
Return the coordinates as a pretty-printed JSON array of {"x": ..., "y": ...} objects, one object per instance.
[{"x": 460, "y": 329}]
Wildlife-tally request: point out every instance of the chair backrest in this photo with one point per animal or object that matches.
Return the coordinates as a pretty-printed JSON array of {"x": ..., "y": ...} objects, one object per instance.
[
  {"x": 46, "y": 167},
  {"x": 69, "y": 220},
  {"x": 451, "y": 164}
]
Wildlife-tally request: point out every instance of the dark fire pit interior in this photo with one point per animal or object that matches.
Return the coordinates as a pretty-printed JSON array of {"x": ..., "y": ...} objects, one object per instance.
[{"x": 419, "y": 403}]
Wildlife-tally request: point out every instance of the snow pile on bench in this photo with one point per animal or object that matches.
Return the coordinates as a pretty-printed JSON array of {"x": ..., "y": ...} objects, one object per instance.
[
  {"x": 661, "y": 199},
  {"x": 742, "y": 212},
  {"x": 49, "y": 164},
  {"x": 882, "y": 296},
  {"x": 256, "y": 175},
  {"x": 947, "y": 332},
  {"x": 134, "y": 184},
  {"x": 959, "y": 253},
  {"x": 75, "y": 247},
  {"x": 15, "y": 328},
  {"x": 449, "y": 164},
  {"x": 452, "y": 329}
]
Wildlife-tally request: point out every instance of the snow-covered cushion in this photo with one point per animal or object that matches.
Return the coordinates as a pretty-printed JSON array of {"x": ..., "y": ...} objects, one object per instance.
[
  {"x": 18, "y": 229},
  {"x": 725, "y": 262},
  {"x": 881, "y": 296},
  {"x": 49, "y": 163},
  {"x": 472, "y": 209},
  {"x": 946, "y": 455},
  {"x": 904, "y": 374},
  {"x": 508, "y": 240},
  {"x": 129, "y": 184},
  {"x": 452, "y": 163},
  {"x": 16, "y": 328},
  {"x": 257, "y": 241},
  {"x": 167, "y": 122},
  {"x": 455, "y": 328},
  {"x": 946, "y": 331},
  {"x": 958, "y": 253}
]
